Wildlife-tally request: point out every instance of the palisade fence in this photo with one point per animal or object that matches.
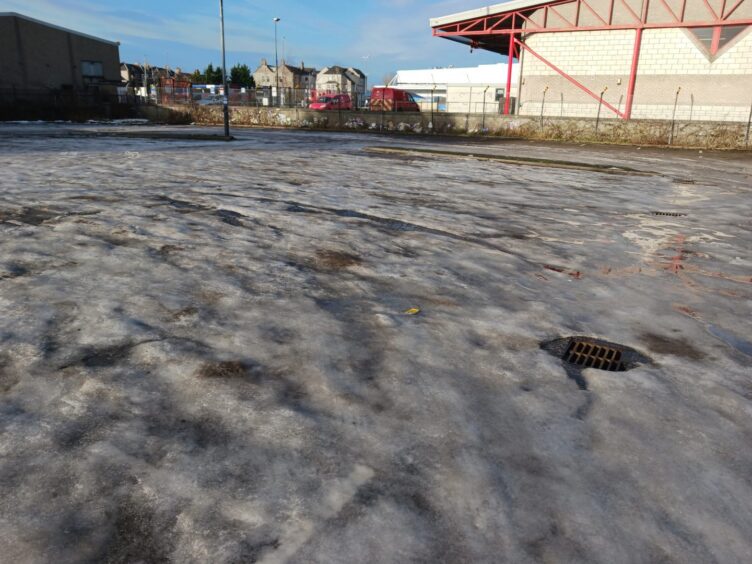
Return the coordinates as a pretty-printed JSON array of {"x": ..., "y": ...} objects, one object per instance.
[
  {"x": 93, "y": 97},
  {"x": 473, "y": 102},
  {"x": 64, "y": 98},
  {"x": 258, "y": 97}
]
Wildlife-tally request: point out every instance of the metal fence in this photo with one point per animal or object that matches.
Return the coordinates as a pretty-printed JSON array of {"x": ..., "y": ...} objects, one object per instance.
[
  {"x": 67, "y": 104},
  {"x": 59, "y": 98}
]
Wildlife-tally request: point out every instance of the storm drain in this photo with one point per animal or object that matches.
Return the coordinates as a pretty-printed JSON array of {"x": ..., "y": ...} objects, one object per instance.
[
  {"x": 669, "y": 214},
  {"x": 591, "y": 355},
  {"x": 579, "y": 353}
]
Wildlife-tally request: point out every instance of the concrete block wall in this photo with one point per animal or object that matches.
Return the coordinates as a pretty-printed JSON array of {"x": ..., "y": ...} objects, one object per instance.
[
  {"x": 589, "y": 53},
  {"x": 473, "y": 99},
  {"x": 710, "y": 88}
]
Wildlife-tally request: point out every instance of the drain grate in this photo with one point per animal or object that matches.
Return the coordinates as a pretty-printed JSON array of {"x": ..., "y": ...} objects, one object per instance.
[
  {"x": 579, "y": 353},
  {"x": 588, "y": 354},
  {"x": 669, "y": 214}
]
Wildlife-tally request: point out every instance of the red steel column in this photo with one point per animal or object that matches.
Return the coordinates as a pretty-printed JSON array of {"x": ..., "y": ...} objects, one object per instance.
[
  {"x": 508, "y": 91},
  {"x": 633, "y": 73}
]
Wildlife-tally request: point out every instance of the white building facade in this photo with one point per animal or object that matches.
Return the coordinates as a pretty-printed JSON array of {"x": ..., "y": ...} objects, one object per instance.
[
  {"x": 688, "y": 59},
  {"x": 458, "y": 89}
]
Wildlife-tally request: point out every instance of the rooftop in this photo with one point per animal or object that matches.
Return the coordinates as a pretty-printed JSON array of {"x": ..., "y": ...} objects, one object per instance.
[{"x": 53, "y": 26}]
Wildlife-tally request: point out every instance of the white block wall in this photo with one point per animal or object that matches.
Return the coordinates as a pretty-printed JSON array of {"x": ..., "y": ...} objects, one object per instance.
[
  {"x": 673, "y": 52},
  {"x": 589, "y": 53},
  {"x": 669, "y": 59}
]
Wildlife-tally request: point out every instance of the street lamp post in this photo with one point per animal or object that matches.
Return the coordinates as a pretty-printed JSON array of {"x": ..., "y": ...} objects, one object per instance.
[
  {"x": 276, "y": 57},
  {"x": 226, "y": 104}
]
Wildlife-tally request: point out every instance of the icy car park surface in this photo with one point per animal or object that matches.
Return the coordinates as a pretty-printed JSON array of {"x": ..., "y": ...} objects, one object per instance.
[{"x": 316, "y": 347}]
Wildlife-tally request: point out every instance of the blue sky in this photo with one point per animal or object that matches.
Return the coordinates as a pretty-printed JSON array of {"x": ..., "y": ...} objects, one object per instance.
[{"x": 379, "y": 36}]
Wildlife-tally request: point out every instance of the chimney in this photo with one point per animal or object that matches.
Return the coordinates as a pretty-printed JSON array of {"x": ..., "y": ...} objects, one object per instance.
[
  {"x": 302, "y": 65},
  {"x": 263, "y": 62}
]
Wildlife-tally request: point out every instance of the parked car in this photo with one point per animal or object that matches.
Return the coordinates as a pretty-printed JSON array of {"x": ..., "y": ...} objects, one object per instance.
[
  {"x": 332, "y": 102},
  {"x": 392, "y": 100}
]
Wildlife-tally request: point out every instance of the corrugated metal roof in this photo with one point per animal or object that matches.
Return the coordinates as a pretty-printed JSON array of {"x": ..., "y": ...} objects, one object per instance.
[
  {"x": 494, "y": 9},
  {"x": 483, "y": 74}
]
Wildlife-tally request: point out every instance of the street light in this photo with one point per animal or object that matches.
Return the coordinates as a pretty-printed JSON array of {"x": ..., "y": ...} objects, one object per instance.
[
  {"x": 224, "y": 71},
  {"x": 276, "y": 56}
]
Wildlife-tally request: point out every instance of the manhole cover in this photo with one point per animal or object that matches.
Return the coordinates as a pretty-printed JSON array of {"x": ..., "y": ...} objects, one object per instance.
[
  {"x": 669, "y": 214},
  {"x": 578, "y": 353}
]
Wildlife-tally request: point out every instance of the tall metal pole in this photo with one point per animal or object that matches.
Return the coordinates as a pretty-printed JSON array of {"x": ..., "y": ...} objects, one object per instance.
[
  {"x": 276, "y": 58},
  {"x": 226, "y": 105}
]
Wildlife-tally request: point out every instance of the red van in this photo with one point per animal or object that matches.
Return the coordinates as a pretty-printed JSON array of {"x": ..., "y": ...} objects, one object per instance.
[
  {"x": 332, "y": 102},
  {"x": 392, "y": 100}
]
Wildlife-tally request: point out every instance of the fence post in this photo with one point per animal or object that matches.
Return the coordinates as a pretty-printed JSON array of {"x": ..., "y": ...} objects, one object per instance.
[
  {"x": 749, "y": 123},
  {"x": 673, "y": 118},
  {"x": 483, "y": 125},
  {"x": 433, "y": 97},
  {"x": 691, "y": 106},
  {"x": 600, "y": 104},
  {"x": 469, "y": 109},
  {"x": 561, "y": 110},
  {"x": 383, "y": 109},
  {"x": 543, "y": 103}
]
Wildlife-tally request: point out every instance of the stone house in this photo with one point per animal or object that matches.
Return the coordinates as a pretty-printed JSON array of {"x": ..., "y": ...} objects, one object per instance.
[
  {"x": 342, "y": 80},
  {"x": 290, "y": 77}
]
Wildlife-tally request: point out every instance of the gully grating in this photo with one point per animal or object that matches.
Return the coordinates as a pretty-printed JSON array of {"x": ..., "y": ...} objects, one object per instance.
[
  {"x": 669, "y": 214},
  {"x": 588, "y": 354},
  {"x": 580, "y": 353}
]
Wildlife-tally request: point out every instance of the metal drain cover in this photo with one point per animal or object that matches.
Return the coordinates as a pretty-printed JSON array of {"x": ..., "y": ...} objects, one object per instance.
[
  {"x": 669, "y": 214},
  {"x": 578, "y": 353},
  {"x": 588, "y": 354}
]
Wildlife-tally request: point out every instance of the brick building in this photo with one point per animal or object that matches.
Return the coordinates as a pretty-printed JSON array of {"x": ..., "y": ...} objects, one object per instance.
[{"x": 641, "y": 58}]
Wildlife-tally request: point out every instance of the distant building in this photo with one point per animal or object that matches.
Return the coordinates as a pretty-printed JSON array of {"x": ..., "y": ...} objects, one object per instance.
[
  {"x": 133, "y": 74},
  {"x": 462, "y": 90},
  {"x": 340, "y": 80},
  {"x": 290, "y": 76},
  {"x": 38, "y": 56}
]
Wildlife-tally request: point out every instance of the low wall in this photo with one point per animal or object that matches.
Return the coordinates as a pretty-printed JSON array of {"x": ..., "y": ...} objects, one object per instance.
[{"x": 715, "y": 135}]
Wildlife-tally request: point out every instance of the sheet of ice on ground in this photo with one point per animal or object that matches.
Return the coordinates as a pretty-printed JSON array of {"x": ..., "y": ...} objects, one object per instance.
[{"x": 205, "y": 356}]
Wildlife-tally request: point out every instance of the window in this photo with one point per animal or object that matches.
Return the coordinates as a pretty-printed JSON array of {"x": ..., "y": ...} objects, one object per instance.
[
  {"x": 92, "y": 69},
  {"x": 713, "y": 39}
]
